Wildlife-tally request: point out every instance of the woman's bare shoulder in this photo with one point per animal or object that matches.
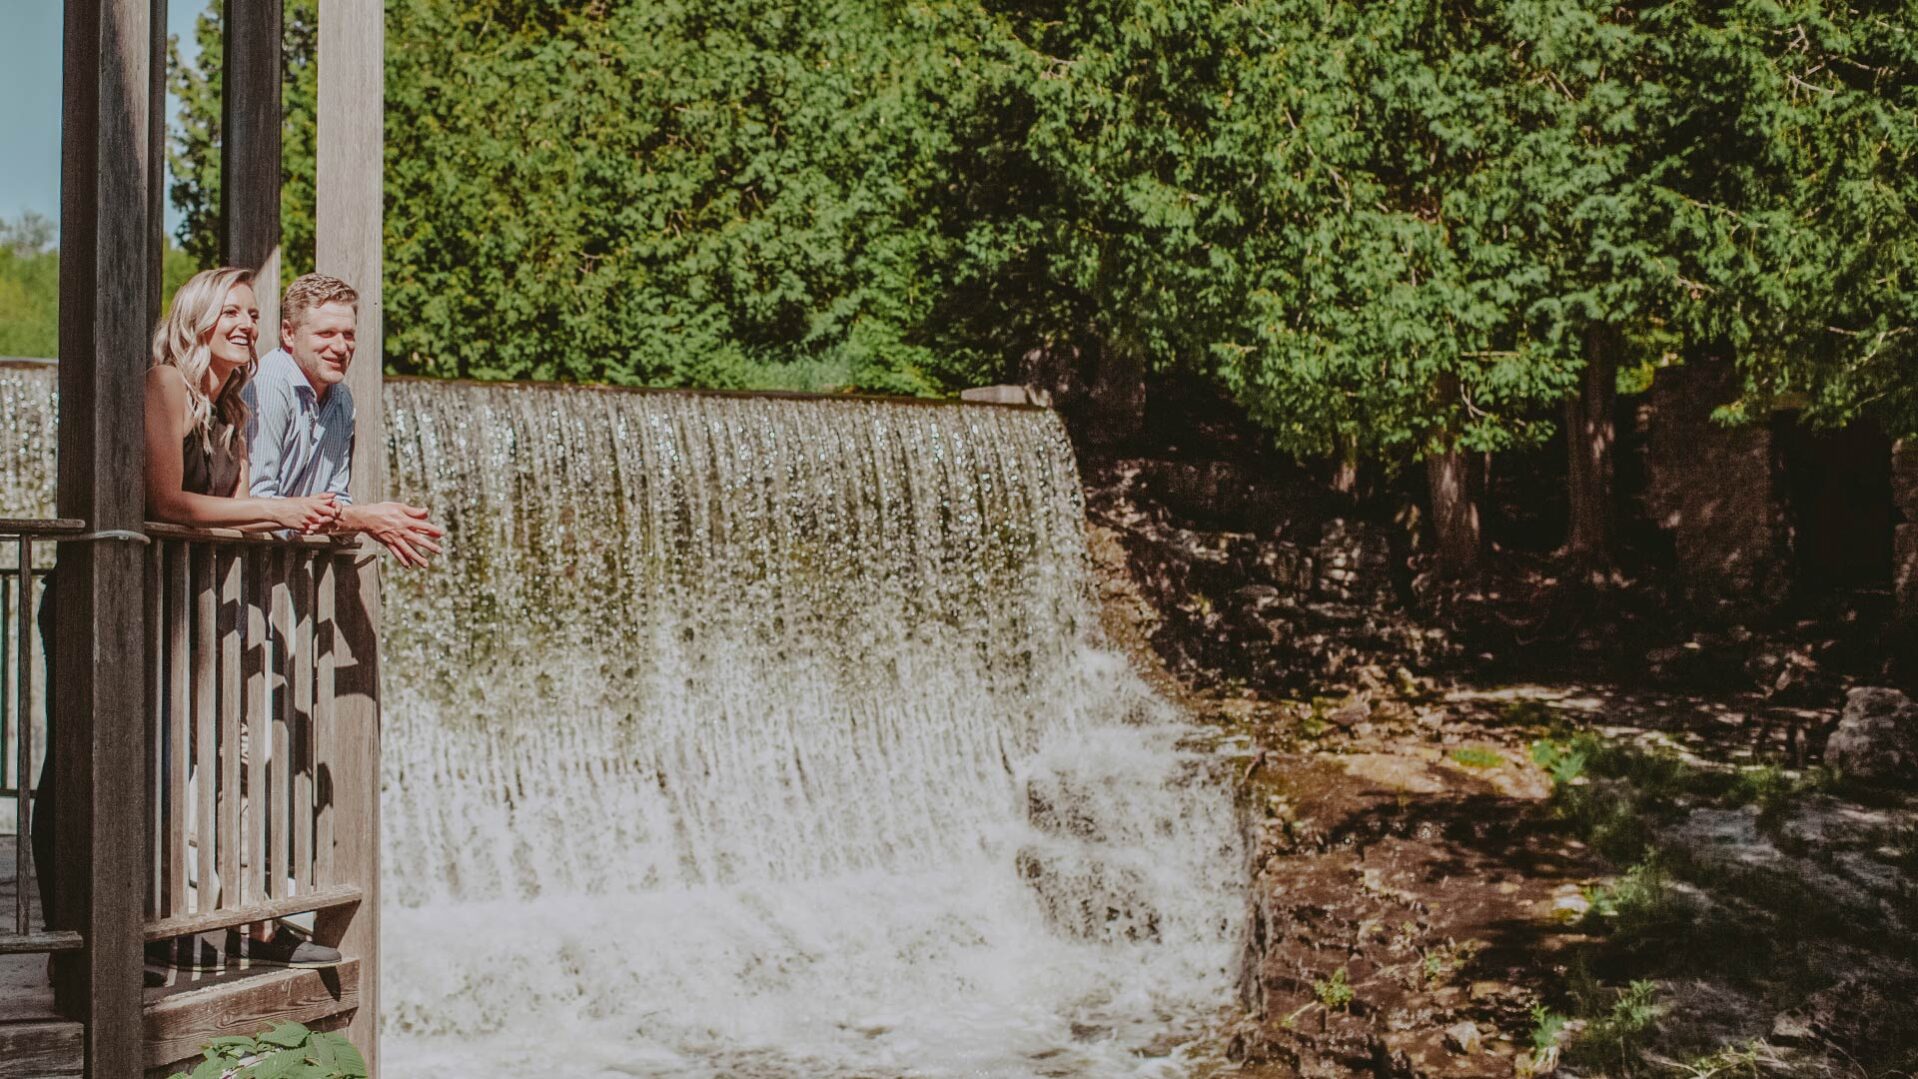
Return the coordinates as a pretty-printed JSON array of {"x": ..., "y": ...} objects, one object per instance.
[
  {"x": 167, "y": 379},
  {"x": 167, "y": 396}
]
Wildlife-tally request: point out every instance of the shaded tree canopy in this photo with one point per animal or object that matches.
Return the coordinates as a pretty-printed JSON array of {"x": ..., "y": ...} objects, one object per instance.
[{"x": 1389, "y": 228}]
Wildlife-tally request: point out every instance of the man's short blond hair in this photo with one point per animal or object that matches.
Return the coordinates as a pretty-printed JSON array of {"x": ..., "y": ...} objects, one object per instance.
[{"x": 313, "y": 290}]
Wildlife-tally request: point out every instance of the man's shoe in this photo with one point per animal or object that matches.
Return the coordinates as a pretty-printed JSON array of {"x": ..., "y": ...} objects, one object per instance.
[
  {"x": 286, "y": 949},
  {"x": 199, "y": 952}
]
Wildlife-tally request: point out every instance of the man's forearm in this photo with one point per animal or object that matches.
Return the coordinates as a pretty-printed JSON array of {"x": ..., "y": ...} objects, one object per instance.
[{"x": 353, "y": 519}]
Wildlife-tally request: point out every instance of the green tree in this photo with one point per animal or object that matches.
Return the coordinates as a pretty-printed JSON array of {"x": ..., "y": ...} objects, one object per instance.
[
  {"x": 1410, "y": 232},
  {"x": 1799, "y": 203},
  {"x": 29, "y": 288},
  {"x": 636, "y": 193},
  {"x": 1581, "y": 180},
  {"x": 1387, "y": 301},
  {"x": 193, "y": 148}
]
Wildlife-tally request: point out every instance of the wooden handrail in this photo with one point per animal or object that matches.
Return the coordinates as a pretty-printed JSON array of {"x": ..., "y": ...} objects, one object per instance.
[
  {"x": 45, "y": 940},
  {"x": 162, "y": 530},
  {"x": 41, "y": 527},
  {"x": 57, "y": 528},
  {"x": 321, "y": 899}
]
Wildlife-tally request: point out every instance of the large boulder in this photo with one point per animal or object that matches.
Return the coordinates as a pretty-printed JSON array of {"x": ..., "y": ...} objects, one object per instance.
[{"x": 1877, "y": 737}]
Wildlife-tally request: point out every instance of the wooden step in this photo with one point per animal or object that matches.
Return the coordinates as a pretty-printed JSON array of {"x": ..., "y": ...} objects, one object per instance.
[
  {"x": 50, "y": 1050},
  {"x": 181, "y": 1018}
]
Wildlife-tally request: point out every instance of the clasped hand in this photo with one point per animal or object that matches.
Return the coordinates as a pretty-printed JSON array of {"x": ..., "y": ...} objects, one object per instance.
[{"x": 312, "y": 513}]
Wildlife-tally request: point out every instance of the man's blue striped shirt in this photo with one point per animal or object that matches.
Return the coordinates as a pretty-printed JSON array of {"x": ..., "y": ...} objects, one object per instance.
[{"x": 299, "y": 443}]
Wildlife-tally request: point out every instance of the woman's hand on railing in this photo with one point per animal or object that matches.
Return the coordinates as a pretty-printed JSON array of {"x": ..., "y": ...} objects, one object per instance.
[{"x": 314, "y": 513}]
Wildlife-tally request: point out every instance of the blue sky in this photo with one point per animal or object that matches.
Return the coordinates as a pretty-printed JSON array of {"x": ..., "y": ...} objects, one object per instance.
[{"x": 30, "y": 84}]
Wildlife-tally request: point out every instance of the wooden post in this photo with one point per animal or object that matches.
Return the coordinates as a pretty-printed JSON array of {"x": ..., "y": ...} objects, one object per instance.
[
  {"x": 250, "y": 152},
  {"x": 351, "y": 140},
  {"x": 100, "y": 872},
  {"x": 156, "y": 161}
]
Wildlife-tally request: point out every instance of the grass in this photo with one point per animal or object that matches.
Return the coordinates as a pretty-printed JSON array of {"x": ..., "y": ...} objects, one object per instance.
[
  {"x": 1641, "y": 909},
  {"x": 1764, "y": 934},
  {"x": 1615, "y": 1037},
  {"x": 1615, "y": 796},
  {"x": 1548, "y": 1036},
  {"x": 1476, "y": 757},
  {"x": 1750, "y": 1060}
]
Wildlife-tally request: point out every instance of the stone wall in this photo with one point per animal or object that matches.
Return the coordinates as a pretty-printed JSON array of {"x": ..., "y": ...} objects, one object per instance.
[
  {"x": 1904, "y": 543},
  {"x": 1712, "y": 487}
]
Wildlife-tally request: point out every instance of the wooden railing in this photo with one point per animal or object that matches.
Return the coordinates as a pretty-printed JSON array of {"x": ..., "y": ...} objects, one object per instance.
[
  {"x": 242, "y": 644},
  {"x": 22, "y": 577}
]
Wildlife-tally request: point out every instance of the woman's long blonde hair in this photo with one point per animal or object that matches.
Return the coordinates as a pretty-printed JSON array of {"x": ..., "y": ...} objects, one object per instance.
[{"x": 181, "y": 340}]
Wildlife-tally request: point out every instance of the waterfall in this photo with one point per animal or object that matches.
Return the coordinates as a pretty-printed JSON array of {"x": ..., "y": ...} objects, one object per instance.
[{"x": 768, "y": 737}]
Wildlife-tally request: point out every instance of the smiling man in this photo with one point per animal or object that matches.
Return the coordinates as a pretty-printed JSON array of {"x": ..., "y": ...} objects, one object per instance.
[{"x": 300, "y": 436}]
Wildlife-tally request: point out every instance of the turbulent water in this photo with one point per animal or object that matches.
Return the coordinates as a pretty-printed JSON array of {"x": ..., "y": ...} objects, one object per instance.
[{"x": 758, "y": 737}]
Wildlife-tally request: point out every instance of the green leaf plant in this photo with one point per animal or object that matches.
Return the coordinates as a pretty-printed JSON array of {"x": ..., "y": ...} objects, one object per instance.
[{"x": 287, "y": 1051}]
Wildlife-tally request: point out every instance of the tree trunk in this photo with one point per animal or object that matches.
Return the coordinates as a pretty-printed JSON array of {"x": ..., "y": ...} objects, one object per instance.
[
  {"x": 1454, "y": 514},
  {"x": 1589, "y": 438},
  {"x": 1455, "y": 524},
  {"x": 1345, "y": 466},
  {"x": 1114, "y": 412}
]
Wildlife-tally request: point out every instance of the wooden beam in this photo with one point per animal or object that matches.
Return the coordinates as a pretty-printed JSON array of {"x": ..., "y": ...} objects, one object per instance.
[
  {"x": 250, "y": 151},
  {"x": 46, "y": 940},
  {"x": 350, "y": 149},
  {"x": 100, "y": 868},
  {"x": 349, "y": 210},
  {"x": 41, "y": 1050},
  {"x": 241, "y": 1004}
]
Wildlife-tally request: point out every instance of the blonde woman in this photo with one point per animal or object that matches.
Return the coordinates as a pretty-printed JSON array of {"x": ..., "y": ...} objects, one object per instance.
[
  {"x": 196, "y": 420},
  {"x": 196, "y": 466}
]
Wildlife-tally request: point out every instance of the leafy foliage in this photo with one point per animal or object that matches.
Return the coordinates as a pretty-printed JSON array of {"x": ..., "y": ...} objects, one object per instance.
[
  {"x": 30, "y": 286},
  {"x": 1385, "y": 228},
  {"x": 288, "y": 1051},
  {"x": 1797, "y": 203}
]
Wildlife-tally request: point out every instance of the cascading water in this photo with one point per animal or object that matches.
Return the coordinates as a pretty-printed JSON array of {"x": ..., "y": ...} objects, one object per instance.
[{"x": 760, "y": 737}]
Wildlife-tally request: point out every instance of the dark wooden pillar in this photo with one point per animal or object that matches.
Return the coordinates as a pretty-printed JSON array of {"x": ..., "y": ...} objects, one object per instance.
[
  {"x": 351, "y": 140},
  {"x": 250, "y": 151},
  {"x": 101, "y": 868}
]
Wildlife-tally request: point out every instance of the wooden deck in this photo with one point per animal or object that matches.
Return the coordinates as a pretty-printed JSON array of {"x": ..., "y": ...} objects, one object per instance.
[
  {"x": 178, "y": 1017},
  {"x": 34, "y": 1041}
]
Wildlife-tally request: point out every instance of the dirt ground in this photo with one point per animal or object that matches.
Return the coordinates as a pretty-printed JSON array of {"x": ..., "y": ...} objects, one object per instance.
[{"x": 1464, "y": 879}]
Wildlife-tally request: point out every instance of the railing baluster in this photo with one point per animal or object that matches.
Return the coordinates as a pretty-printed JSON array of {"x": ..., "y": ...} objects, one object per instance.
[
  {"x": 230, "y": 738},
  {"x": 206, "y": 761},
  {"x": 156, "y": 729},
  {"x": 176, "y": 727},
  {"x": 8, "y": 762},
  {"x": 303, "y": 718},
  {"x": 279, "y": 833},
  {"x": 241, "y": 670},
  {"x": 23, "y": 747},
  {"x": 256, "y": 725},
  {"x": 326, "y": 643}
]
